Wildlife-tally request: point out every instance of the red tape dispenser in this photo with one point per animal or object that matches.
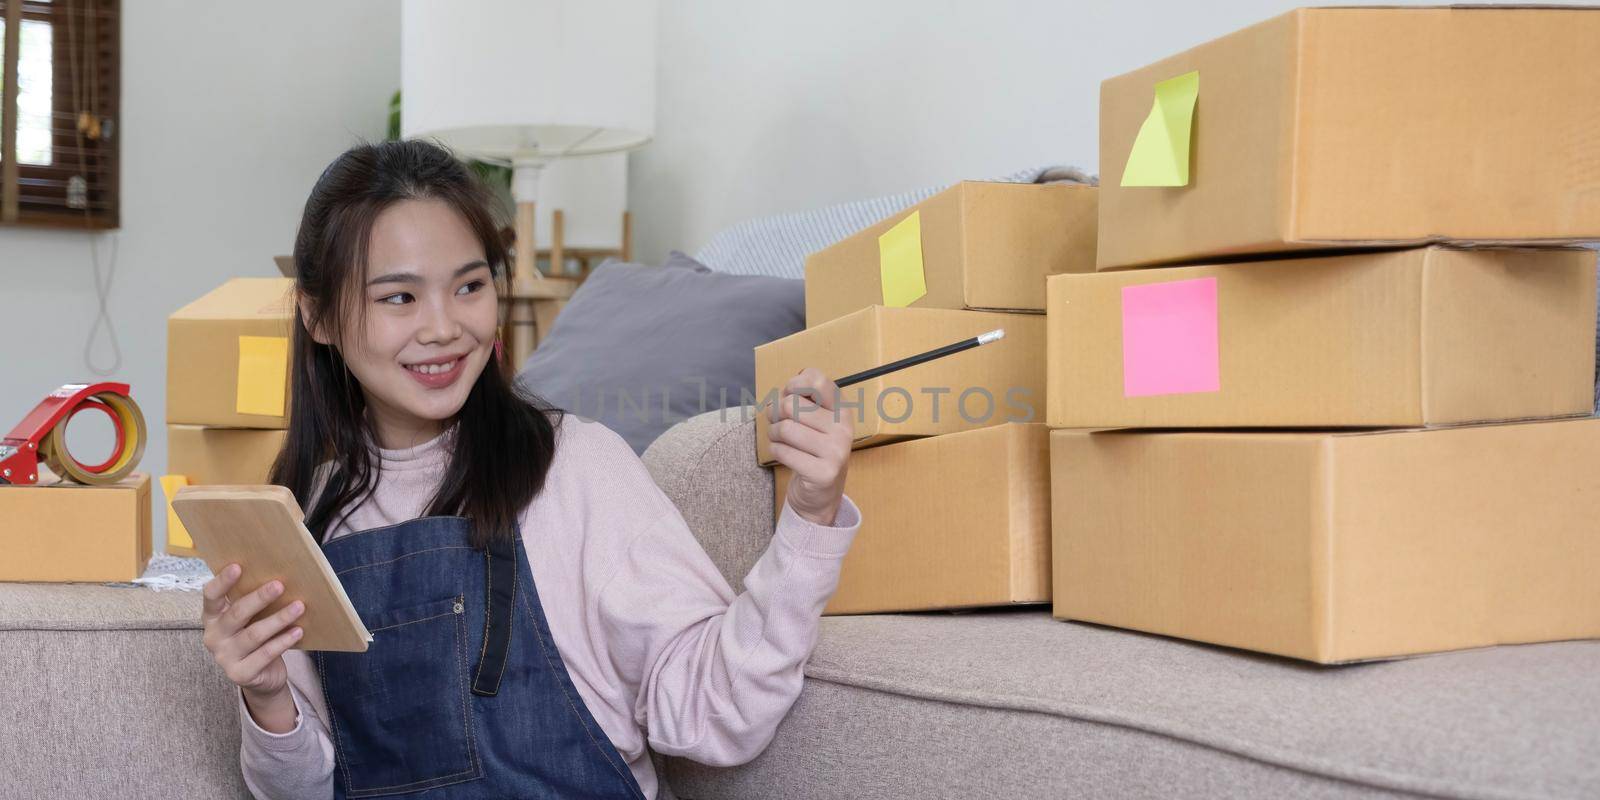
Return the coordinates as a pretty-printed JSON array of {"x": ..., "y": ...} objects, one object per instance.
[{"x": 43, "y": 433}]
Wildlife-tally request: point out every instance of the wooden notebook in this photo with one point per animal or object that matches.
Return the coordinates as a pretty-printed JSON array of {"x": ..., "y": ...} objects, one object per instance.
[{"x": 262, "y": 529}]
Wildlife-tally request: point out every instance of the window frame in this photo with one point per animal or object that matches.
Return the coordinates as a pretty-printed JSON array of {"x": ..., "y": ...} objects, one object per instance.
[{"x": 62, "y": 139}]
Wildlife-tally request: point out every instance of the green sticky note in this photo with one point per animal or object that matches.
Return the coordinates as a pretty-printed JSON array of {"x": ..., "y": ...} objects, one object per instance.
[
  {"x": 900, "y": 262},
  {"x": 1160, "y": 154},
  {"x": 263, "y": 375}
]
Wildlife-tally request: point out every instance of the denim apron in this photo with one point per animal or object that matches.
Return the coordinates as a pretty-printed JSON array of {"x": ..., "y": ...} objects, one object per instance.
[{"x": 461, "y": 693}]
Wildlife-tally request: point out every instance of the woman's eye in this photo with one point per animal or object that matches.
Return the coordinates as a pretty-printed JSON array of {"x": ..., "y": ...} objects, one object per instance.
[
  {"x": 398, "y": 298},
  {"x": 470, "y": 287}
]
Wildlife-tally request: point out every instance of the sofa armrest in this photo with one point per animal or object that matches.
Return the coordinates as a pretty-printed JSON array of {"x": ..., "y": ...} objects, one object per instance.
[
  {"x": 108, "y": 692},
  {"x": 707, "y": 465}
]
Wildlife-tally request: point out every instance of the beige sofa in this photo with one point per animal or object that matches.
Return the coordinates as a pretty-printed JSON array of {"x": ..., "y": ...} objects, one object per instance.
[{"x": 106, "y": 692}]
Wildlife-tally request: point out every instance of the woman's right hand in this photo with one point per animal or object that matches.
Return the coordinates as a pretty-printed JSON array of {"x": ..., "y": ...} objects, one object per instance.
[{"x": 250, "y": 654}]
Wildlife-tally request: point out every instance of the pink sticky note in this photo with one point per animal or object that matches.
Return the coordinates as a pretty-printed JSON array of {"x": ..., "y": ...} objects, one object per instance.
[{"x": 1169, "y": 338}]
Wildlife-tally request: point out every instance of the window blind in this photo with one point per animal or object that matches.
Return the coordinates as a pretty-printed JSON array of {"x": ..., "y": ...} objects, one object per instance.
[{"x": 59, "y": 113}]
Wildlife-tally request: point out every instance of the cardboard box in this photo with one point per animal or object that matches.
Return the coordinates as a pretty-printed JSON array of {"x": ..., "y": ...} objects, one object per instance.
[
  {"x": 1357, "y": 127},
  {"x": 228, "y": 356},
  {"x": 989, "y": 385},
  {"x": 197, "y": 456},
  {"x": 953, "y": 521},
  {"x": 1332, "y": 547},
  {"x": 1427, "y": 336},
  {"x": 68, "y": 532},
  {"x": 222, "y": 456},
  {"x": 985, "y": 246}
]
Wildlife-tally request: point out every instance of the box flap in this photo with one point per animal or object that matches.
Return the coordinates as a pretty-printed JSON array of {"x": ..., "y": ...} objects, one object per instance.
[{"x": 243, "y": 298}]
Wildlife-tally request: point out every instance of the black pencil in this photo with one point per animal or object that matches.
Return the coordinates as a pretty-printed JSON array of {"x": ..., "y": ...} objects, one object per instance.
[{"x": 911, "y": 361}]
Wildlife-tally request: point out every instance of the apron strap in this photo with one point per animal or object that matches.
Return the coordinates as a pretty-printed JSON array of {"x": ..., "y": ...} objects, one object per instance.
[{"x": 501, "y": 579}]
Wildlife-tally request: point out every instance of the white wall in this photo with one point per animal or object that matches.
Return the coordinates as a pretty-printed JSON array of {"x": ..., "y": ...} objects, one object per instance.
[
  {"x": 230, "y": 112},
  {"x": 766, "y": 107}
]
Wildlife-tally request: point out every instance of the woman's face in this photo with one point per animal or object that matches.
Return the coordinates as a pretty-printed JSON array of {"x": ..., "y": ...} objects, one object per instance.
[{"x": 429, "y": 323}]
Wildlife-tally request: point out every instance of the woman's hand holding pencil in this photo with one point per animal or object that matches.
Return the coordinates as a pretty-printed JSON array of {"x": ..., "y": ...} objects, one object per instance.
[{"x": 811, "y": 439}]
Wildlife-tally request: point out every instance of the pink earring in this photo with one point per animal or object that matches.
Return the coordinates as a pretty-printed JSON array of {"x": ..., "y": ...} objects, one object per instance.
[{"x": 499, "y": 349}]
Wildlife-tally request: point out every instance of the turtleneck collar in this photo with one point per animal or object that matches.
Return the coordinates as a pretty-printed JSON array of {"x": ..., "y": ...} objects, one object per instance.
[{"x": 432, "y": 454}]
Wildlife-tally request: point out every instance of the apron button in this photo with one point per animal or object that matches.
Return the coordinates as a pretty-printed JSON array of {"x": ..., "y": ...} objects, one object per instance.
[{"x": 456, "y": 608}]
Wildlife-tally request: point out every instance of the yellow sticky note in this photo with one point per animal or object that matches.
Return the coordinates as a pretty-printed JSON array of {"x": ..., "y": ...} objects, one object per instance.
[
  {"x": 900, "y": 262},
  {"x": 263, "y": 375},
  {"x": 1160, "y": 154},
  {"x": 177, "y": 535}
]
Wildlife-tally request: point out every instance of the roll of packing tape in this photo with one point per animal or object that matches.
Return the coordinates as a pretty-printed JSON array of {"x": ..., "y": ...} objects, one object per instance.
[{"x": 127, "y": 421}]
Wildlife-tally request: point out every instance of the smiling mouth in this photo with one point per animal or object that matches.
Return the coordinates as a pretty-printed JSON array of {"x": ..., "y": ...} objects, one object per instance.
[{"x": 434, "y": 368}]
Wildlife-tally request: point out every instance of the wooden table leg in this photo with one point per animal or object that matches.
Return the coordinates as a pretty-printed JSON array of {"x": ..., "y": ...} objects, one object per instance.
[
  {"x": 523, "y": 333},
  {"x": 544, "y": 317}
]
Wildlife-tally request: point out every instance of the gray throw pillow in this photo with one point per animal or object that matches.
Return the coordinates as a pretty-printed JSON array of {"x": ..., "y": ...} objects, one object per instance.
[{"x": 641, "y": 348}]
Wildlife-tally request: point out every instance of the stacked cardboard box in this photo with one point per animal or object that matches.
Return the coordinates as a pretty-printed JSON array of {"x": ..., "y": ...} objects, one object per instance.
[
  {"x": 1362, "y": 455},
  {"x": 955, "y": 501},
  {"x": 227, "y": 389},
  {"x": 68, "y": 532}
]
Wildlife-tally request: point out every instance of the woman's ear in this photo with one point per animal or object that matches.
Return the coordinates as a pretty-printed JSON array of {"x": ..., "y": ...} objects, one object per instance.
[{"x": 318, "y": 335}]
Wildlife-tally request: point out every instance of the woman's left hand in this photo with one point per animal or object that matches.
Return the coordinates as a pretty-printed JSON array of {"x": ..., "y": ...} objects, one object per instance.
[{"x": 811, "y": 439}]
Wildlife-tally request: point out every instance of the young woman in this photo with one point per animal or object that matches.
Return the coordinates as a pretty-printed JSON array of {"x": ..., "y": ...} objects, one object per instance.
[{"x": 541, "y": 613}]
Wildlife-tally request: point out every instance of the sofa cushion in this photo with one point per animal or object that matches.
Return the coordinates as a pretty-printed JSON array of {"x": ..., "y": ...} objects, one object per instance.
[
  {"x": 109, "y": 693},
  {"x": 1016, "y": 704},
  {"x": 671, "y": 341},
  {"x": 1012, "y": 703},
  {"x": 707, "y": 466}
]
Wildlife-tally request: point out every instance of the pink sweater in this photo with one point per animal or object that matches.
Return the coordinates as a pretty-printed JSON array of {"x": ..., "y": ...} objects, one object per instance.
[{"x": 660, "y": 648}]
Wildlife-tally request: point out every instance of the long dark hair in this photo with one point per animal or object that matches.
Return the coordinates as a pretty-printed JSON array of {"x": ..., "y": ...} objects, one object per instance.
[{"x": 504, "y": 438}]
